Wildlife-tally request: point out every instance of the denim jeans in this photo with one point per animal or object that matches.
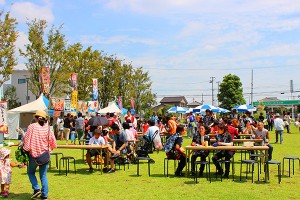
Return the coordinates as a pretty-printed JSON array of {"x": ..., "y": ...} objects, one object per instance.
[
  {"x": 43, "y": 176},
  {"x": 190, "y": 131},
  {"x": 280, "y": 132}
]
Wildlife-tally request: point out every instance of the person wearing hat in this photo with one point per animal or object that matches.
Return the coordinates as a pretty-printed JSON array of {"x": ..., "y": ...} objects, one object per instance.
[
  {"x": 5, "y": 170},
  {"x": 39, "y": 139},
  {"x": 279, "y": 127}
]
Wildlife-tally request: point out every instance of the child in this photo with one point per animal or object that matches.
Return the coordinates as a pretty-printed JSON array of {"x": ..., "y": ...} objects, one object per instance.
[
  {"x": 73, "y": 135},
  {"x": 5, "y": 171}
]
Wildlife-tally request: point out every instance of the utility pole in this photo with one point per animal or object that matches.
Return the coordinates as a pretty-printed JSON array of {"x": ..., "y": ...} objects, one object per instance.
[
  {"x": 251, "y": 94},
  {"x": 218, "y": 82},
  {"x": 212, "y": 89},
  {"x": 202, "y": 99}
]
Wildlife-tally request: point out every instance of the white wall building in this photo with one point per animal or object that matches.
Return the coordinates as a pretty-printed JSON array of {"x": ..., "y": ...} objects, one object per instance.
[{"x": 18, "y": 79}]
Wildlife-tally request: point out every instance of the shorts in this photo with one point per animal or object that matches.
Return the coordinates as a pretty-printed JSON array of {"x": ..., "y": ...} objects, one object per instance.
[{"x": 93, "y": 152}]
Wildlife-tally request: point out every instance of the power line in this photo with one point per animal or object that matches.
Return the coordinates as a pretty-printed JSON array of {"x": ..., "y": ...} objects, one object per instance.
[{"x": 211, "y": 68}]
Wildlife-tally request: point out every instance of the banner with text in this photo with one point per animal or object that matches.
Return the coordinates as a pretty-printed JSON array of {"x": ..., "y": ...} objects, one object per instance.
[{"x": 45, "y": 77}]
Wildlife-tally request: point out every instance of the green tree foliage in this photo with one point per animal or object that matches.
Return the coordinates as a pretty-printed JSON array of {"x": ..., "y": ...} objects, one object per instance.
[
  {"x": 10, "y": 95},
  {"x": 231, "y": 92},
  {"x": 8, "y": 37},
  {"x": 40, "y": 53},
  {"x": 87, "y": 64}
]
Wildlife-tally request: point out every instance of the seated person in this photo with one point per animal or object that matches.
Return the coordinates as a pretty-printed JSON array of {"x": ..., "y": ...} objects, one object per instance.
[
  {"x": 223, "y": 138},
  {"x": 174, "y": 151},
  {"x": 119, "y": 145},
  {"x": 199, "y": 138},
  {"x": 95, "y": 140},
  {"x": 262, "y": 133}
]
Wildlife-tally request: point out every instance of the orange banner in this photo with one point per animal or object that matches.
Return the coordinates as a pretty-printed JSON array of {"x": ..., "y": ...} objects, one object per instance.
[{"x": 45, "y": 77}]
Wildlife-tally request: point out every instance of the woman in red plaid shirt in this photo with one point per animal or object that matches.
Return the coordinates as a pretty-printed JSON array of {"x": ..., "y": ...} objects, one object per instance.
[{"x": 39, "y": 139}]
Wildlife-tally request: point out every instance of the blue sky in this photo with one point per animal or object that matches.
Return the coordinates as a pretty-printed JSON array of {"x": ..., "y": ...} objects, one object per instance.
[{"x": 182, "y": 43}]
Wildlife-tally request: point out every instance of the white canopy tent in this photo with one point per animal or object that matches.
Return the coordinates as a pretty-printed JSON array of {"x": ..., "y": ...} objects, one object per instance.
[
  {"x": 22, "y": 116},
  {"x": 111, "y": 108}
]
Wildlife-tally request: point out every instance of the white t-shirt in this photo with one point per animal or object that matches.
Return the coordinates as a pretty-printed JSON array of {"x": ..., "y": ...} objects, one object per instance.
[
  {"x": 129, "y": 134},
  {"x": 99, "y": 141},
  {"x": 151, "y": 130}
]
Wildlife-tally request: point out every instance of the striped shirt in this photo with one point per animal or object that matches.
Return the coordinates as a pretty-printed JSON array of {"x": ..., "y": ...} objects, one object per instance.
[{"x": 36, "y": 139}]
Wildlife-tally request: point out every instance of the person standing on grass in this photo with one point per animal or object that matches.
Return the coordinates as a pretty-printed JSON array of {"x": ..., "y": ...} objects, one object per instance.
[
  {"x": 79, "y": 126},
  {"x": 279, "y": 127},
  {"x": 67, "y": 127},
  {"x": 287, "y": 120},
  {"x": 191, "y": 124},
  {"x": 39, "y": 139}
]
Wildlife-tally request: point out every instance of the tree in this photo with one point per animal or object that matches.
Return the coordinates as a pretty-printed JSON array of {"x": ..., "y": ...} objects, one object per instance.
[
  {"x": 143, "y": 96},
  {"x": 10, "y": 95},
  {"x": 40, "y": 53},
  {"x": 231, "y": 92},
  {"x": 87, "y": 64},
  {"x": 8, "y": 37}
]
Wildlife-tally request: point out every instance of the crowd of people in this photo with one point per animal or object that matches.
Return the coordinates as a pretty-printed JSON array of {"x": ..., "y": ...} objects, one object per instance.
[{"x": 120, "y": 136}]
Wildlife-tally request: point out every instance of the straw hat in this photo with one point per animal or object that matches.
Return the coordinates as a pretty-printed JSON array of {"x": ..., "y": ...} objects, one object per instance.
[
  {"x": 41, "y": 113},
  {"x": 3, "y": 153}
]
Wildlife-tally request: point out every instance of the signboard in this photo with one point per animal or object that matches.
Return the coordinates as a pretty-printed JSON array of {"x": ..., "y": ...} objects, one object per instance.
[
  {"x": 74, "y": 100},
  {"x": 67, "y": 105},
  {"x": 277, "y": 103},
  {"x": 3, "y": 116},
  {"x": 45, "y": 77}
]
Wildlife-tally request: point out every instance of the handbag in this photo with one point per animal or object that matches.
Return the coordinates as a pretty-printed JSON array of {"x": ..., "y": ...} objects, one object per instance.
[{"x": 42, "y": 159}]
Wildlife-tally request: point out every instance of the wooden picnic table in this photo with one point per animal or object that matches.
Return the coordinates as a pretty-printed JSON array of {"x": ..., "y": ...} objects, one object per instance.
[{"x": 189, "y": 149}]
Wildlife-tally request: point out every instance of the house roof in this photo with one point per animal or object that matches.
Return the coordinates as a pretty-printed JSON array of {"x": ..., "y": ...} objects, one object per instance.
[
  {"x": 195, "y": 103},
  {"x": 270, "y": 99},
  {"x": 174, "y": 100}
]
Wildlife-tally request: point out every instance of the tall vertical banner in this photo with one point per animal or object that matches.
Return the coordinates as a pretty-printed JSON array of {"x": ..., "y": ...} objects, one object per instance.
[
  {"x": 95, "y": 89},
  {"x": 3, "y": 117},
  {"x": 132, "y": 103},
  {"x": 120, "y": 103},
  {"x": 73, "y": 82},
  {"x": 45, "y": 77},
  {"x": 74, "y": 100}
]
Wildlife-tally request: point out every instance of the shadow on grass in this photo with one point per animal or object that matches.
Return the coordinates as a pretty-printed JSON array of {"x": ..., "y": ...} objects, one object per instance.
[{"x": 20, "y": 196}]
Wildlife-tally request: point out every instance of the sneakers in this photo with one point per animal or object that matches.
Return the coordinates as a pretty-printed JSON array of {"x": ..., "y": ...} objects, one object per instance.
[
  {"x": 111, "y": 171},
  {"x": 115, "y": 156},
  {"x": 4, "y": 194},
  {"x": 36, "y": 193},
  {"x": 45, "y": 198}
]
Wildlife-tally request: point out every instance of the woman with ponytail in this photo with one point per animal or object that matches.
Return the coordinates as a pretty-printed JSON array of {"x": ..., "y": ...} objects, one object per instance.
[{"x": 38, "y": 139}]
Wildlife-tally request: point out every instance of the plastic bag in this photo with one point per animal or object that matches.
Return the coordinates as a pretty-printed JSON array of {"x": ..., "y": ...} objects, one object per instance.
[{"x": 157, "y": 142}]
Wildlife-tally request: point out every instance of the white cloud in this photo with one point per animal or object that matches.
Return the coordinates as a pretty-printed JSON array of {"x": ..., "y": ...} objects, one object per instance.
[
  {"x": 123, "y": 39},
  {"x": 27, "y": 10},
  {"x": 2, "y": 2}
]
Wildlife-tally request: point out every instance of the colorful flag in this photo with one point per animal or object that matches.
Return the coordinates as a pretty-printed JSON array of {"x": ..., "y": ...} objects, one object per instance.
[
  {"x": 120, "y": 103},
  {"x": 3, "y": 115},
  {"x": 45, "y": 77},
  {"x": 74, "y": 100},
  {"x": 74, "y": 81},
  {"x": 132, "y": 103},
  {"x": 95, "y": 89}
]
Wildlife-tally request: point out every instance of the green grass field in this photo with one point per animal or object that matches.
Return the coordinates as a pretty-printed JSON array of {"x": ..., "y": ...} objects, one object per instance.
[{"x": 126, "y": 184}]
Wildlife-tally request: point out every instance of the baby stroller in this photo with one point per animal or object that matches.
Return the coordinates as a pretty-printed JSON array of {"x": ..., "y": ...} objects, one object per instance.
[{"x": 147, "y": 147}]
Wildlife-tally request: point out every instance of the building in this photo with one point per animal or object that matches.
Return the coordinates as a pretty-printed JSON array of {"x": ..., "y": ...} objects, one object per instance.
[
  {"x": 174, "y": 101},
  {"x": 19, "y": 80},
  {"x": 194, "y": 104}
]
